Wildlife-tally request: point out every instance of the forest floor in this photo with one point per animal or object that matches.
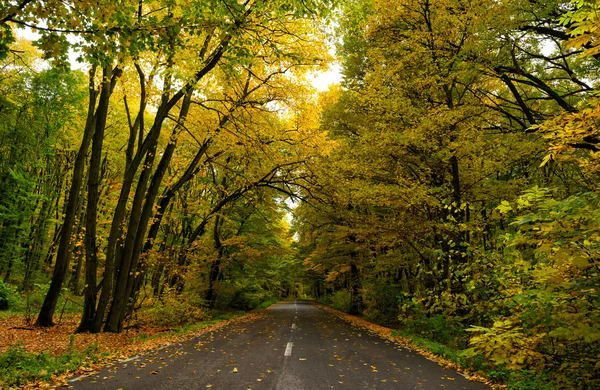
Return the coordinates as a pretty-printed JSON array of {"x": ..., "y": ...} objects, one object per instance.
[{"x": 31, "y": 356}]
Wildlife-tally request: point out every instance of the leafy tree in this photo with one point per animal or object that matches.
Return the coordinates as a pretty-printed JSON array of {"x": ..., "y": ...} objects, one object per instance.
[{"x": 39, "y": 110}]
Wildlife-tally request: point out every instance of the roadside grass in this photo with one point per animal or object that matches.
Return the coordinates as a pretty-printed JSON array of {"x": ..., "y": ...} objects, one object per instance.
[
  {"x": 18, "y": 367},
  {"x": 267, "y": 303}
]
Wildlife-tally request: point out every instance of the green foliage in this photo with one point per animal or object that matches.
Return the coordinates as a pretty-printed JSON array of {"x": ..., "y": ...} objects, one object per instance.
[
  {"x": 18, "y": 367},
  {"x": 522, "y": 379},
  {"x": 381, "y": 303},
  {"x": 241, "y": 297},
  {"x": 340, "y": 300},
  {"x": 437, "y": 328},
  {"x": 173, "y": 311},
  {"x": 8, "y": 296},
  {"x": 6, "y": 38},
  {"x": 547, "y": 313},
  {"x": 38, "y": 111},
  {"x": 32, "y": 300},
  {"x": 267, "y": 303}
]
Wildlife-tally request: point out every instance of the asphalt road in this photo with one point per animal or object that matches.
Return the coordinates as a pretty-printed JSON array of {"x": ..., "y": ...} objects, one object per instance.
[{"x": 296, "y": 346}]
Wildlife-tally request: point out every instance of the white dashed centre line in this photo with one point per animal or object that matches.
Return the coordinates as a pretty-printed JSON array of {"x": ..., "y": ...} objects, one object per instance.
[{"x": 288, "y": 349}]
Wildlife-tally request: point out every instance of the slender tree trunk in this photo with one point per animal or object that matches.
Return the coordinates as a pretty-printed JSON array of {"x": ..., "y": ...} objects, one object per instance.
[
  {"x": 215, "y": 270},
  {"x": 37, "y": 239},
  {"x": 76, "y": 278},
  {"x": 94, "y": 179},
  {"x": 356, "y": 298},
  {"x": 62, "y": 256},
  {"x": 156, "y": 277},
  {"x": 119, "y": 301},
  {"x": 136, "y": 269},
  {"x": 79, "y": 250}
]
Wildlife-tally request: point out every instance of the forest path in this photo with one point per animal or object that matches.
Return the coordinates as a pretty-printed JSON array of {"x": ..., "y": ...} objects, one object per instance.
[{"x": 295, "y": 346}]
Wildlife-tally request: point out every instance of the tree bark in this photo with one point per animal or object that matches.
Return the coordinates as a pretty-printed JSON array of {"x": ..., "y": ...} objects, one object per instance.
[
  {"x": 62, "y": 256},
  {"x": 94, "y": 178},
  {"x": 215, "y": 270}
]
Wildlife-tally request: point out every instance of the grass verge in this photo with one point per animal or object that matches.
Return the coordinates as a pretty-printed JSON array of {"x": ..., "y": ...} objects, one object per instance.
[
  {"x": 268, "y": 302},
  {"x": 18, "y": 367}
]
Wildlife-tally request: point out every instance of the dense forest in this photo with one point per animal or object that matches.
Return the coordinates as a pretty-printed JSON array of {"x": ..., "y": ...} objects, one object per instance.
[{"x": 174, "y": 155}]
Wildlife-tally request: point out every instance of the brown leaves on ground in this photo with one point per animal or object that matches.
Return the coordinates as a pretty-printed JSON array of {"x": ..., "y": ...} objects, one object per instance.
[
  {"x": 386, "y": 333},
  {"x": 56, "y": 340}
]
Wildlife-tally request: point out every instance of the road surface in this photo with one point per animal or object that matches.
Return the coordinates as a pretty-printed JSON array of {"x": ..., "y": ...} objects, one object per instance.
[{"x": 295, "y": 346}]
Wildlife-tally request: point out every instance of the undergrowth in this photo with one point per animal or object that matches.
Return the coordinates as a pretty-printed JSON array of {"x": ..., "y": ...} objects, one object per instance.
[
  {"x": 18, "y": 367},
  {"x": 521, "y": 380}
]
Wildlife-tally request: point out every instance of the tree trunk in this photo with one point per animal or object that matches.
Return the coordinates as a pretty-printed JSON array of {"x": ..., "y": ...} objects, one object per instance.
[
  {"x": 356, "y": 299},
  {"x": 141, "y": 212},
  {"x": 135, "y": 276},
  {"x": 215, "y": 270},
  {"x": 62, "y": 256}
]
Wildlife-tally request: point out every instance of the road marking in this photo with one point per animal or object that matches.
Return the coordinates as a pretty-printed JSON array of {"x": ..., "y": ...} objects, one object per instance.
[{"x": 288, "y": 349}]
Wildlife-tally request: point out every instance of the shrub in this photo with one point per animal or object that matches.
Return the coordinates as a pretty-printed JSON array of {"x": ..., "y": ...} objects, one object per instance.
[
  {"x": 232, "y": 297},
  {"x": 8, "y": 297},
  {"x": 381, "y": 304},
  {"x": 173, "y": 311},
  {"x": 443, "y": 329},
  {"x": 267, "y": 303},
  {"x": 341, "y": 300}
]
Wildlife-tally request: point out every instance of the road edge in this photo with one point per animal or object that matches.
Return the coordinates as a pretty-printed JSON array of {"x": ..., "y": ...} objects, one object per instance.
[
  {"x": 136, "y": 349},
  {"x": 387, "y": 334}
]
